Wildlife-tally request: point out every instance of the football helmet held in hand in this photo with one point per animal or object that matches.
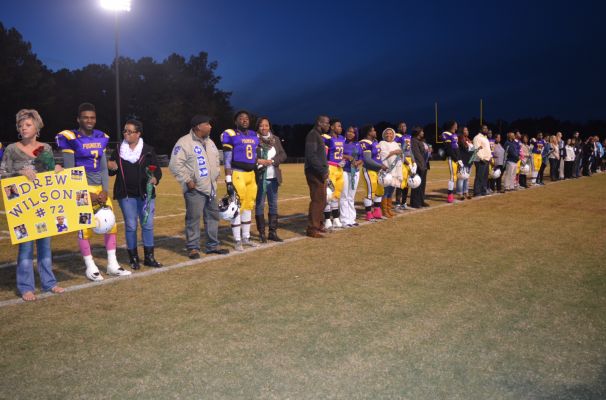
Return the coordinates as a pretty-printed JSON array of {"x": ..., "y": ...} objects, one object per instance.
[
  {"x": 104, "y": 220},
  {"x": 385, "y": 178},
  {"x": 229, "y": 206},
  {"x": 414, "y": 181}
]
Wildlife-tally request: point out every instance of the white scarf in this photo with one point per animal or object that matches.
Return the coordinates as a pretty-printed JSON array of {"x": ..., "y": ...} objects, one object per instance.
[{"x": 130, "y": 155}]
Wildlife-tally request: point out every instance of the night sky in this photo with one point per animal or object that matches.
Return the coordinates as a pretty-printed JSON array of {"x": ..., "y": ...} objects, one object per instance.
[{"x": 362, "y": 61}]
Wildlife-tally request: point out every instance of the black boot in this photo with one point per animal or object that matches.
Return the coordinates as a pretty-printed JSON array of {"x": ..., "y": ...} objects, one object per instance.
[
  {"x": 260, "y": 219},
  {"x": 133, "y": 259},
  {"x": 149, "y": 259},
  {"x": 273, "y": 228}
]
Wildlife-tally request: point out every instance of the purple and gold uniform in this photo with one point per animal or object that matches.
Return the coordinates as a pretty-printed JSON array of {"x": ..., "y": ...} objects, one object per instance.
[
  {"x": 243, "y": 146},
  {"x": 537, "y": 151},
  {"x": 334, "y": 155},
  {"x": 404, "y": 141},
  {"x": 374, "y": 191},
  {"x": 451, "y": 146},
  {"x": 87, "y": 151}
]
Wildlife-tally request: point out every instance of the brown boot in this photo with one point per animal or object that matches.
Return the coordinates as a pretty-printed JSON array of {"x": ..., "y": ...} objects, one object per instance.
[{"x": 386, "y": 208}]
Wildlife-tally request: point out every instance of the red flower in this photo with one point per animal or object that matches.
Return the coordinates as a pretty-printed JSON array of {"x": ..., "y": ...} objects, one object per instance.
[
  {"x": 152, "y": 168},
  {"x": 38, "y": 151}
]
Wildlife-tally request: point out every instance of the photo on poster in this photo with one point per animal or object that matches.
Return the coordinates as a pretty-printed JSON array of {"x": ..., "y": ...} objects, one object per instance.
[
  {"x": 85, "y": 218},
  {"x": 82, "y": 197},
  {"x": 61, "y": 223},
  {"x": 20, "y": 232},
  {"x": 41, "y": 227},
  {"x": 11, "y": 192},
  {"x": 76, "y": 175}
]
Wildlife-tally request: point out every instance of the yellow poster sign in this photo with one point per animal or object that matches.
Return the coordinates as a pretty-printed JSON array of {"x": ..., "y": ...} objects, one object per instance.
[{"x": 51, "y": 204}]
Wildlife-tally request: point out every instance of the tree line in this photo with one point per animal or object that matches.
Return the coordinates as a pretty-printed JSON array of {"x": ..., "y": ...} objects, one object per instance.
[{"x": 164, "y": 96}]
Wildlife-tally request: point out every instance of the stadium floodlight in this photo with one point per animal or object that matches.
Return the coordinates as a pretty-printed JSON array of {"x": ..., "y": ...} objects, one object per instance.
[{"x": 116, "y": 6}]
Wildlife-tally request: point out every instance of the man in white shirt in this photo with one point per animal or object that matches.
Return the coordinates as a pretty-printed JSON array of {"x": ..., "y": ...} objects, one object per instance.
[{"x": 483, "y": 157}]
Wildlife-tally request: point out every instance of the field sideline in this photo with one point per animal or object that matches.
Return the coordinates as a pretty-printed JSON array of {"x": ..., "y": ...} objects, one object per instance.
[{"x": 499, "y": 298}]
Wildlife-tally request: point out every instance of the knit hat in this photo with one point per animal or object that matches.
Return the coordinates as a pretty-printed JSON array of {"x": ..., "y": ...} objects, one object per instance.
[{"x": 199, "y": 119}]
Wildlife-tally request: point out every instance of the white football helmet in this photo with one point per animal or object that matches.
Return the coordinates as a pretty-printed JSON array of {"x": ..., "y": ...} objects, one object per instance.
[
  {"x": 104, "y": 220},
  {"x": 463, "y": 173},
  {"x": 524, "y": 169},
  {"x": 385, "y": 178},
  {"x": 329, "y": 193},
  {"x": 229, "y": 206},
  {"x": 496, "y": 173},
  {"x": 414, "y": 181}
]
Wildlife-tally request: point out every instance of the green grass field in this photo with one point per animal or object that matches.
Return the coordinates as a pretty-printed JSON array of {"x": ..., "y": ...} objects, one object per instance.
[{"x": 498, "y": 298}]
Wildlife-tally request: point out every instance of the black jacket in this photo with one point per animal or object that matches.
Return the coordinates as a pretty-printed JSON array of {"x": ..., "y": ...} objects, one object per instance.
[
  {"x": 148, "y": 157},
  {"x": 511, "y": 153},
  {"x": 418, "y": 153},
  {"x": 315, "y": 153}
]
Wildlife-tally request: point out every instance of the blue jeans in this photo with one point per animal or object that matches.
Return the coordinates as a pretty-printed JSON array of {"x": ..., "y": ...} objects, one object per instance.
[
  {"x": 462, "y": 186},
  {"x": 272, "y": 197},
  {"x": 132, "y": 209},
  {"x": 25, "y": 266},
  {"x": 199, "y": 205},
  {"x": 388, "y": 192}
]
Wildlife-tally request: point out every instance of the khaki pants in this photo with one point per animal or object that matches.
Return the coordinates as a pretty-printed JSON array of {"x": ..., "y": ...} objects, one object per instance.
[{"x": 510, "y": 176}]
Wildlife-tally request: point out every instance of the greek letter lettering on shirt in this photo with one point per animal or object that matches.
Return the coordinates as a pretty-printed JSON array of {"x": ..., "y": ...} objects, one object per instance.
[{"x": 201, "y": 161}]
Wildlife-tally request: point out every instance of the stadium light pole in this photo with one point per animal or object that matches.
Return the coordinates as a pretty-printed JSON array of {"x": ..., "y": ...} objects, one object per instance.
[{"x": 116, "y": 6}]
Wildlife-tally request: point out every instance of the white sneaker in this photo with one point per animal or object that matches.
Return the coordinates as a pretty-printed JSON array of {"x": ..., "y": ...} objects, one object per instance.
[
  {"x": 249, "y": 243},
  {"x": 92, "y": 271},
  {"x": 336, "y": 223},
  {"x": 113, "y": 268},
  {"x": 117, "y": 270},
  {"x": 238, "y": 246},
  {"x": 327, "y": 224},
  {"x": 403, "y": 206}
]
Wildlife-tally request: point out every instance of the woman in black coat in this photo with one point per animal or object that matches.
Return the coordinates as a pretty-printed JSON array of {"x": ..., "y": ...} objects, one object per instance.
[
  {"x": 417, "y": 195},
  {"x": 269, "y": 178},
  {"x": 135, "y": 165}
]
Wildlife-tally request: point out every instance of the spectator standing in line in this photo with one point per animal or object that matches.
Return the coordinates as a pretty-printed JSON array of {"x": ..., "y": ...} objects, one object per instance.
[
  {"x": 499, "y": 162},
  {"x": 316, "y": 173},
  {"x": 132, "y": 163},
  {"x": 465, "y": 150},
  {"x": 569, "y": 159},
  {"x": 554, "y": 157},
  {"x": 195, "y": 164},
  {"x": 512, "y": 156},
  {"x": 420, "y": 154},
  {"x": 20, "y": 160},
  {"x": 562, "y": 150},
  {"x": 269, "y": 179},
  {"x": 483, "y": 157}
]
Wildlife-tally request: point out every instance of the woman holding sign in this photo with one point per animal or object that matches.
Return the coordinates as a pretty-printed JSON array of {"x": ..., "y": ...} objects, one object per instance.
[{"x": 22, "y": 158}]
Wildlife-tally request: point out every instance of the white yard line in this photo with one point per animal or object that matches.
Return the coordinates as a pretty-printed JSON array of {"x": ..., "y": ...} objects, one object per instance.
[{"x": 136, "y": 275}]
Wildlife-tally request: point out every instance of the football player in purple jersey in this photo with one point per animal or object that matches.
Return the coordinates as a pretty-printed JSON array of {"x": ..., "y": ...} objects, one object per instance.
[
  {"x": 240, "y": 161},
  {"x": 453, "y": 159},
  {"x": 334, "y": 142},
  {"x": 85, "y": 147}
]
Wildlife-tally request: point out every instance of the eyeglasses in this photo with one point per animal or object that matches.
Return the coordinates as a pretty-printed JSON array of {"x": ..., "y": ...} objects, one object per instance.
[{"x": 127, "y": 132}]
